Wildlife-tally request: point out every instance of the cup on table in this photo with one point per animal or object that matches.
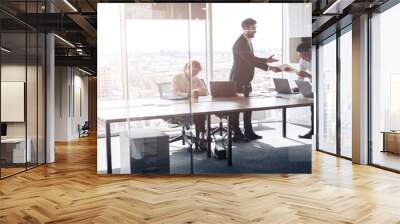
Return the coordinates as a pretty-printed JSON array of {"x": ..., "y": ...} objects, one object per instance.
[{"x": 195, "y": 94}]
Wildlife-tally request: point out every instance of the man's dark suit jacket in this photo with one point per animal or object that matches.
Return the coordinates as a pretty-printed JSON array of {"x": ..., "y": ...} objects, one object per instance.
[{"x": 244, "y": 63}]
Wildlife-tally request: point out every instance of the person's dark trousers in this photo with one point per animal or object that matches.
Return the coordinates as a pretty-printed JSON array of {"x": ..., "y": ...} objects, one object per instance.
[
  {"x": 199, "y": 122},
  {"x": 312, "y": 120},
  {"x": 234, "y": 120}
]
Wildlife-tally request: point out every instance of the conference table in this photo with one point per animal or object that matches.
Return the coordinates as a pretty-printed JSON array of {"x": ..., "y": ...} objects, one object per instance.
[{"x": 152, "y": 108}]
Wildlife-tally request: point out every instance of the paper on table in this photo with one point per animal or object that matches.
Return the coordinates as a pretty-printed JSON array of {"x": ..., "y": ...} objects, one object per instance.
[{"x": 285, "y": 66}]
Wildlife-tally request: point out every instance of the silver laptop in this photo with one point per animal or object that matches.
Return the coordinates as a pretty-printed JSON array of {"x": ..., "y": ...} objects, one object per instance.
[
  {"x": 305, "y": 88},
  {"x": 174, "y": 97},
  {"x": 282, "y": 86}
]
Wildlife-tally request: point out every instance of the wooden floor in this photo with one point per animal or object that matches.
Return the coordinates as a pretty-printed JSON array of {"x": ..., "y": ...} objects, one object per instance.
[{"x": 70, "y": 191}]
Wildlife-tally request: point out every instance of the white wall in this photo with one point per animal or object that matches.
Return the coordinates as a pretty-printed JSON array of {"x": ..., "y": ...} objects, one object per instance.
[
  {"x": 70, "y": 83},
  {"x": 12, "y": 73}
]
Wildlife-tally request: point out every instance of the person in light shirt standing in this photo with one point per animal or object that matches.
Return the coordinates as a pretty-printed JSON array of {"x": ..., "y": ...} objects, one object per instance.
[{"x": 304, "y": 51}]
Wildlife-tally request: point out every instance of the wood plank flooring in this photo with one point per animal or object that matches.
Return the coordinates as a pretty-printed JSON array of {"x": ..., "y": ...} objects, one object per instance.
[{"x": 70, "y": 191}]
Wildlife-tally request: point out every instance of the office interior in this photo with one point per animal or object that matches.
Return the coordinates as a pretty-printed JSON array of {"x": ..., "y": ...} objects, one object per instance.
[
  {"x": 46, "y": 98},
  {"x": 355, "y": 165},
  {"x": 36, "y": 53},
  {"x": 152, "y": 42},
  {"x": 41, "y": 54}
]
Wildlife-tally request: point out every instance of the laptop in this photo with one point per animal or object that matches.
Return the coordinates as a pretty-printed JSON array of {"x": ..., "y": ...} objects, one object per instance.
[
  {"x": 305, "y": 88},
  {"x": 223, "y": 88},
  {"x": 282, "y": 86},
  {"x": 174, "y": 97},
  {"x": 165, "y": 92}
]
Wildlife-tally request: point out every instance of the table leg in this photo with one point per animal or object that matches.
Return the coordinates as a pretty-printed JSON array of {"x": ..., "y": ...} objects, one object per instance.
[
  {"x": 284, "y": 122},
  {"x": 209, "y": 136},
  {"x": 191, "y": 157},
  {"x": 312, "y": 118},
  {"x": 384, "y": 143},
  {"x": 229, "y": 152},
  {"x": 108, "y": 148}
]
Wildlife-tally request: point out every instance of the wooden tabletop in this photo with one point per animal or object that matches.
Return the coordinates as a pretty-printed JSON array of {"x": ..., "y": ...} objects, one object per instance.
[{"x": 153, "y": 108}]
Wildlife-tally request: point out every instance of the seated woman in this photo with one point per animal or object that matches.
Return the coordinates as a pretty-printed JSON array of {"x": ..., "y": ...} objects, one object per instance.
[{"x": 181, "y": 86}]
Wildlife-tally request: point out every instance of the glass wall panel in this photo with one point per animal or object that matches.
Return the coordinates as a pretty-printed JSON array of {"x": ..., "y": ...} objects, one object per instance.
[
  {"x": 226, "y": 28},
  {"x": 327, "y": 96},
  {"x": 296, "y": 45},
  {"x": 41, "y": 79},
  {"x": 32, "y": 95},
  {"x": 152, "y": 88},
  {"x": 156, "y": 88},
  {"x": 385, "y": 89},
  {"x": 22, "y": 90},
  {"x": 265, "y": 127},
  {"x": 346, "y": 94},
  {"x": 15, "y": 150}
]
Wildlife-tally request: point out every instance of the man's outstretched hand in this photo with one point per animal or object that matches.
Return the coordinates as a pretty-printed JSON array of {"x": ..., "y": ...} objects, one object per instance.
[
  {"x": 275, "y": 69},
  {"x": 271, "y": 59}
]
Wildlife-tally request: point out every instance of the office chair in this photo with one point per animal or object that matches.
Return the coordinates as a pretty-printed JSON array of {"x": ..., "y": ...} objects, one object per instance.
[
  {"x": 84, "y": 130},
  {"x": 180, "y": 121},
  {"x": 220, "y": 128}
]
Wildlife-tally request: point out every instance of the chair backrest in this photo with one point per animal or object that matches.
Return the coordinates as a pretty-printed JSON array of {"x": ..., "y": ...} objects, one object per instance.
[
  {"x": 86, "y": 125},
  {"x": 204, "y": 83},
  {"x": 164, "y": 88}
]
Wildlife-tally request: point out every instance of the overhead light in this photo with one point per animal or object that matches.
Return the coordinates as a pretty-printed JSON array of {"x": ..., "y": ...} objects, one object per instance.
[
  {"x": 70, "y": 5},
  {"x": 64, "y": 40},
  {"x": 5, "y": 50},
  {"x": 84, "y": 71}
]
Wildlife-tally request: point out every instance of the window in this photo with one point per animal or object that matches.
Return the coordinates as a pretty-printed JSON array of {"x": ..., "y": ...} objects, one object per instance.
[
  {"x": 327, "y": 96},
  {"x": 226, "y": 28},
  {"x": 385, "y": 86},
  {"x": 346, "y": 94},
  {"x": 157, "y": 41}
]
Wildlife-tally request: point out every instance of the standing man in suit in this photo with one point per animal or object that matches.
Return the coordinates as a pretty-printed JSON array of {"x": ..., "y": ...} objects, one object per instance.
[{"x": 244, "y": 62}]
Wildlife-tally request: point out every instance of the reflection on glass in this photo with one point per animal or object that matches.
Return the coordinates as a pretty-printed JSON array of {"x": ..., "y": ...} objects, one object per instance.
[
  {"x": 157, "y": 74},
  {"x": 142, "y": 79},
  {"x": 385, "y": 84},
  {"x": 226, "y": 29},
  {"x": 346, "y": 94},
  {"x": 327, "y": 96}
]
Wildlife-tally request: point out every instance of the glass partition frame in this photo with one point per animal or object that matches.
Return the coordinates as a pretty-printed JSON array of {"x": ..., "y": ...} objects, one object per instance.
[{"x": 33, "y": 67}]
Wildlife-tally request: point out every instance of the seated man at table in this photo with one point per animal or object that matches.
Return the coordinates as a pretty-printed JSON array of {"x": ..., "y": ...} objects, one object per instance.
[{"x": 181, "y": 86}]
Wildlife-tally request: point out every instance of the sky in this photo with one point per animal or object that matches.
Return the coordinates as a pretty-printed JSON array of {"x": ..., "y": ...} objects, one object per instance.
[{"x": 173, "y": 34}]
